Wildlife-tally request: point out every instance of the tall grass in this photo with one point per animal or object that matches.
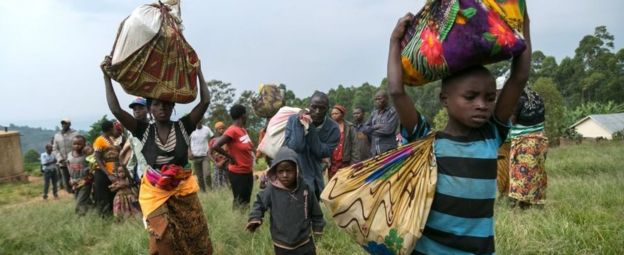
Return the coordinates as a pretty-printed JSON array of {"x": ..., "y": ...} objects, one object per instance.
[{"x": 584, "y": 215}]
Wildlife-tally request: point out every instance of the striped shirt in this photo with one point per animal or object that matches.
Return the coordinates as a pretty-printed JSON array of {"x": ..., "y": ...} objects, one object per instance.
[{"x": 461, "y": 217}]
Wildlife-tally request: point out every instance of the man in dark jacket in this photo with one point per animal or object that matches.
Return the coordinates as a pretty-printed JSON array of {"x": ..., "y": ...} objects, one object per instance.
[
  {"x": 315, "y": 143},
  {"x": 295, "y": 211},
  {"x": 362, "y": 140},
  {"x": 383, "y": 124}
]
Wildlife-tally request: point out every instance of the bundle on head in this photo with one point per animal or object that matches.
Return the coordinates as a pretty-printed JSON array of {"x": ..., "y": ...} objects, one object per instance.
[
  {"x": 151, "y": 58},
  {"x": 447, "y": 36}
]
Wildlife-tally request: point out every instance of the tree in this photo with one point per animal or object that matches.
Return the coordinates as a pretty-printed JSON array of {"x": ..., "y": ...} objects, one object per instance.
[
  {"x": 254, "y": 122},
  {"x": 31, "y": 156},
  {"x": 95, "y": 130},
  {"x": 553, "y": 101},
  {"x": 440, "y": 120},
  {"x": 221, "y": 98}
]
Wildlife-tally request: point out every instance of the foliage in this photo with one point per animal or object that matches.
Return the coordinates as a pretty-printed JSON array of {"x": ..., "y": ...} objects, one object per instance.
[
  {"x": 440, "y": 120},
  {"x": 32, "y": 138},
  {"x": 31, "y": 156},
  {"x": 618, "y": 136},
  {"x": 572, "y": 115},
  {"x": 254, "y": 122},
  {"x": 221, "y": 98},
  {"x": 553, "y": 102},
  {"x": 95, "y": 130}
]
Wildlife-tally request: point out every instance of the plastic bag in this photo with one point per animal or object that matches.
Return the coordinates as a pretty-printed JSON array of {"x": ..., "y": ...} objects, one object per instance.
[
  {"x": 383, "y": 203},
  {"x": 151, "y": 58},
  {"x": 270, "y": 99},
  {"x": 447, "y": 36}
]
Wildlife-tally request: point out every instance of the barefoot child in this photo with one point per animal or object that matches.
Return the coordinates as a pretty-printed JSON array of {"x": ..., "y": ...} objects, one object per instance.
[
  {"x": 461, "y": 217},
  {"x": 80, "y": 175},
  {"x": 295, "y": 212},
  {"x": 125, "y": 204}
]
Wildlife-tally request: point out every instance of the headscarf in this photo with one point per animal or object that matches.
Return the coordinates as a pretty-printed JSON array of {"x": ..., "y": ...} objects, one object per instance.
[
  {"x": 219, "y": 125},
  {"x": 341, "y": 108}
]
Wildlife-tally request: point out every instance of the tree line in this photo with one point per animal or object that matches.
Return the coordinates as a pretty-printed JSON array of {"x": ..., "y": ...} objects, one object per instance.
[{"x": 590, "y": 82}]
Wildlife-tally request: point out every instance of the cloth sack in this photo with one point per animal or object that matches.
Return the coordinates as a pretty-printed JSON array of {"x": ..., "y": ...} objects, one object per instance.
[
  {"x": 151, "y": 58},
  {"x": 383, "y": 203},
  {"x": 275, "y": 132},
  {"x": 447, "y": 36},
  {"x": 269, "y": 100}
]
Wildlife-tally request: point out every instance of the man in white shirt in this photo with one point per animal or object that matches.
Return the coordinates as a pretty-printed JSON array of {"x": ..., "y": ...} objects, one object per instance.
[
  {"x": 198, "y": 153},
  {"x": 48, "y": 166}
]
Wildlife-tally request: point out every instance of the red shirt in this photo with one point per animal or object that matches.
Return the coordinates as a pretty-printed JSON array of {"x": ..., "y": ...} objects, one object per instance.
[{"x": 241, "y": 149}]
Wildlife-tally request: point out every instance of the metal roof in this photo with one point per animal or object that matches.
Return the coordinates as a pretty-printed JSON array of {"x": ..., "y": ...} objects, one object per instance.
[{"x": 613, "y": 122}]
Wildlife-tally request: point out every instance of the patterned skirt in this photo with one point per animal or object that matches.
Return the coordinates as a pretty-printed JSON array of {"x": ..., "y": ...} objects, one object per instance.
[
  {"x": 527, "y": 174},
  {"x": 125, "y": 204},
  {"x": 502, "y": 169},
  {"x": 179, "y": 227}
]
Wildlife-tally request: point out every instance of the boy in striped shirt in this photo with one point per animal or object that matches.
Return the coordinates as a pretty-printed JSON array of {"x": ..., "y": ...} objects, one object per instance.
[{"x": 461, "y": 217}]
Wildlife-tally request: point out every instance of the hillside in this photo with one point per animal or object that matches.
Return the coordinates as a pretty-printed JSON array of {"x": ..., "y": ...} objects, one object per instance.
[{"x": 32, "y": 138}]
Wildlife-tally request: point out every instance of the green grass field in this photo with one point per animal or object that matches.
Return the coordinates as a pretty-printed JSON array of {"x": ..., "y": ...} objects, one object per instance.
[{"x": 584, "y": 215}]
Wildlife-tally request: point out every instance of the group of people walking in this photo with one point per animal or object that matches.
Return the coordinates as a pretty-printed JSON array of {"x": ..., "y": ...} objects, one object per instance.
[{"x": 150, "y": 164}]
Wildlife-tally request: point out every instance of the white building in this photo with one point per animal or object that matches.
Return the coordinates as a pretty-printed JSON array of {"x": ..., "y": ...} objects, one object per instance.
[{"x": 600, "y": 125}]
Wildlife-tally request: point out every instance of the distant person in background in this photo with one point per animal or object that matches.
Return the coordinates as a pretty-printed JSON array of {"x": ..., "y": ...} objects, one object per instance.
[
  {"x": 240, "y": 156},
  {"x": 61, "y": 147},
  {"x": 198, "y": 153},
  {"x": 382, "y": 125},
  {"x": 219, "y": 176},
  {"x": 131, "y": 154},
  {"x": 48, "y": 163},
  {"x": 345, "y": 151},
  {"x": 314, "y": 144},
  {"x": 527, "y": 157},
  {"x": 362, "y": 140}
]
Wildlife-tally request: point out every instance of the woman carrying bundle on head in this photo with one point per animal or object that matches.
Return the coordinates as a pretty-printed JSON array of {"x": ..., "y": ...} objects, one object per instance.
[{"x": 168, "y": 193}]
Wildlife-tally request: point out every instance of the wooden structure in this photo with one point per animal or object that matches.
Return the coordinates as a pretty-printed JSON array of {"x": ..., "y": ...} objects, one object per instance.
[{"x": 11, "y": 164}]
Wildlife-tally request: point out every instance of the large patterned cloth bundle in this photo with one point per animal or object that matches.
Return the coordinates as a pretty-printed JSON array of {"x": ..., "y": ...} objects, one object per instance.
[
  {"x": 447, "y": 36},
  {"x": 151, "y": 58},
  {"x": 383, "y": 203}
]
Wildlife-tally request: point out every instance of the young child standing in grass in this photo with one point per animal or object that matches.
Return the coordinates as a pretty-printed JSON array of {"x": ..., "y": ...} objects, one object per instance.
[
  {"x": 295, "y": 212},
  {"x": 80, "y": 175},
  {"x": 125, "y": 203},
  {"x": 461, "y": 218}
]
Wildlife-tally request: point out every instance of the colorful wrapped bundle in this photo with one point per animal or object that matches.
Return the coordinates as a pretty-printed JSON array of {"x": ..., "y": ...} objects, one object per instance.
[
  {"x": 383, "y": 203},
  {"x": 270, "y": 99},
  {"x": 150, "y": 56},
  {"x": 447, "y": 36}
]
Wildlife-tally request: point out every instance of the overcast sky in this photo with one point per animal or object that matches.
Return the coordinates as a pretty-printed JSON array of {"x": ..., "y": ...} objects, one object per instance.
[{"x": 50, "y": 49}]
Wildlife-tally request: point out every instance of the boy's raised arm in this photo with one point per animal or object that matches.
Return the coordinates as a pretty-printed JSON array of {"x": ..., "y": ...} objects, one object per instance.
[
  {"x": 408, "y": 115},
  {"x": 520, "y": 67}
]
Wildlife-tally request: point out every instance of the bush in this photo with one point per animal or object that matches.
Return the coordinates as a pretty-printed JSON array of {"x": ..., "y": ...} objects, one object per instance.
[{"x": 618, "y": 136}]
